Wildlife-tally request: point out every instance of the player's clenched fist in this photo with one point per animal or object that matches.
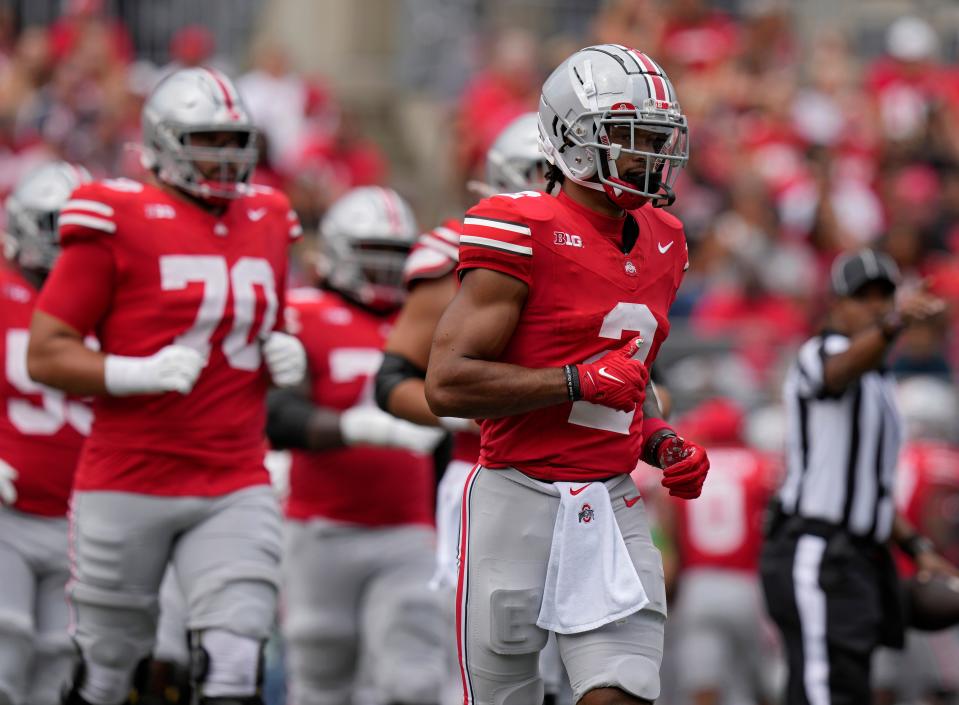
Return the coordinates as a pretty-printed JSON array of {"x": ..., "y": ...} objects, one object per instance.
[
  {"x": 285, "y": 358},
  {"x": 174, "y": 368},
  {"x": 615, "y": 380},
  {"x": 685, "y": 466}
]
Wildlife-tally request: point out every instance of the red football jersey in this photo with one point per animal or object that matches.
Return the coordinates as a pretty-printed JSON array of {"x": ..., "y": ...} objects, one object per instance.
[
  {"x": 723, "y": 527},
  {"x": 361, "y": 485},
  {"x": 41, "y": 430},
  {"x": 585, "y": 298},
  {"x": 927, "y": 493},
  {"x": 435, "y": 255},
  {"x": 158, "y": 270}
]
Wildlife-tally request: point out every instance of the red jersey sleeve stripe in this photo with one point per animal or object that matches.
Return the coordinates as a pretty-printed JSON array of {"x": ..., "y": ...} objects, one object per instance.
[
  {"x": 496, "y": 245},
  {"x": 87, "y": 221},
  {"x": 83, "y": 204},
  {"x": 495, "y": 224}
]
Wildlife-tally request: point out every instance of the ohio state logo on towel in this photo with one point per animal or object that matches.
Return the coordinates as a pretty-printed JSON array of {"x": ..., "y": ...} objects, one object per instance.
[{"x": 586, "y": 514}]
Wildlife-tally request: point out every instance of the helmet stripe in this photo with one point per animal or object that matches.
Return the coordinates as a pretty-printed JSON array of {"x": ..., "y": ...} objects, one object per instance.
[
  {"x": 660, "y": 85},
  {"x": 225, "y": 90},
  {"x": 392, "y": 211},
  {"x": 646, "y": 62}
]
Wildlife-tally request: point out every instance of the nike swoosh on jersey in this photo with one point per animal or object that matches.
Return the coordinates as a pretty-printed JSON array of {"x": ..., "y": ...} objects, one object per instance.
[
  {"x": 577, "y": 491},
  {"x": 630, "y": 502},
  {"x": 664, "y": 250},
  {"x": 603, "y": 373},
  {"x": 256, "y": 214}
]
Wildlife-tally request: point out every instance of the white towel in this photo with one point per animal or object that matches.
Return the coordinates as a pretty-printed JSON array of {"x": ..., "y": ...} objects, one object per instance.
[{"x": 590, "y": 578}]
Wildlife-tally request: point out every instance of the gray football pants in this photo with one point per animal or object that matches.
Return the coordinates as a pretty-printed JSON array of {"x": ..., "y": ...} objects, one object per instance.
[
  {"x": 225, "y": 552},
  {"x": 36, "y": 654},
  {"x": 357, "y": 600}
]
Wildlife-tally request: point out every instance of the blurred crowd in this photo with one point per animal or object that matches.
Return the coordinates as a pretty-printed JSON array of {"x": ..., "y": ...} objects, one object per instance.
[{"x": 800, "y": 149}]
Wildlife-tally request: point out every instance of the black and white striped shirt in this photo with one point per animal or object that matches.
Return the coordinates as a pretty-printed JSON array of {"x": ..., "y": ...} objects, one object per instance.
[{"x": 841, "y": 450}]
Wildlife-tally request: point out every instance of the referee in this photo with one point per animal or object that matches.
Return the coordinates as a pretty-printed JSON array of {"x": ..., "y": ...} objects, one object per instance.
[{"x": 828, "y": 576}]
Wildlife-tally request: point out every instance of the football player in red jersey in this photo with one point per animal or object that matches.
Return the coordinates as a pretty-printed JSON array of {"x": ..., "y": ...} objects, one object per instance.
[
  {"x": 718, "y": 615},
  {"x": 359, "y": 534},
  {"x": 514, "y": 163},
  {"x": 182, "y": 279},
  {"x": 565, "y": 301},
  {"x": 41, "y": 433}
]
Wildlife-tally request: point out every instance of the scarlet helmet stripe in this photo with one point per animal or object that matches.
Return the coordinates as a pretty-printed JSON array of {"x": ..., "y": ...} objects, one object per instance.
[
  {"x": 392, "y": 211},
  {"x": 648, "y": 64},
  {"x": 660, "y": 86},
  {"x": 226, "y": 90}
]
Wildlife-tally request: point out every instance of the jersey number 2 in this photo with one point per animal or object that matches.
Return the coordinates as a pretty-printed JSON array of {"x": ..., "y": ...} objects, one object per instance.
[
  {"x": 177, "y": 271},
  {"x": 635, "y": 318}
]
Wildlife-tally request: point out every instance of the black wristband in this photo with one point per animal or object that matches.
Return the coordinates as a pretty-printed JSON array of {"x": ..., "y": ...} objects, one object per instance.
[
  {"x": 651, "y": 447},
  {"x": 572, "y": 382},
  {"x": 916, "y": 544}
]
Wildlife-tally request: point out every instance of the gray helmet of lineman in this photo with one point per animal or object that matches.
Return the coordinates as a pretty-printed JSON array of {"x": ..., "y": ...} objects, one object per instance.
[
  {"x": 32, "y": 211},
  {"x": 605, "y": 101},
  {"x": 514, "y": 162},
  {"x": 181, "y": 120},
  {"x": 929, "y": 407},
  {"x": 366, "y": 236}
]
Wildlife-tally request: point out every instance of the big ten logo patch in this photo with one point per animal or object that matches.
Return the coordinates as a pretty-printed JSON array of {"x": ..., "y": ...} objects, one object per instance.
[
  {"x": 586, "y": 514},
  {"x": 567, "y": 239}
]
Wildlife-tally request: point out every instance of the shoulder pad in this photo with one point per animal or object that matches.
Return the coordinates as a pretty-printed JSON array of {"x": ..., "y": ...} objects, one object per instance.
[
  {"x": 529, "y": 205},
  {"x": 667, "y": 219}
]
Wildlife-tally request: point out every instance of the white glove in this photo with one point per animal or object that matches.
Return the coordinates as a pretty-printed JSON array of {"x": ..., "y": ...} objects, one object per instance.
[
  {"x": 8, "y": 491},
  {"x": 367, "y": 425},
  {"x": 175, "y": 368},
  {"x": 285, "y": 358}
]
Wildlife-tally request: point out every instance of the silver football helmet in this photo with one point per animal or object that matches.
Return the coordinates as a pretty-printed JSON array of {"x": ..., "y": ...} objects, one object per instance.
[
  {"x": 514, "y": 162},
  {"x": 32, "y": 211},
  {"x": 365, "y": 238},
  {"x": 605, "y": 101},
  {"x": 181, "y": 119}
]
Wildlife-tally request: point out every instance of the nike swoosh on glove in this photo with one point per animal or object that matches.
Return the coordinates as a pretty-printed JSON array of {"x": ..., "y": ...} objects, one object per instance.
[
  {"x": 615, "y": 380},
  {"x": 8, "y": 490},
  {"x": 174, "y": 368},
  {"x": 366, "y": 425},
  {"x": 685, "y": 466},
  {"x": 285, "y": 359}
]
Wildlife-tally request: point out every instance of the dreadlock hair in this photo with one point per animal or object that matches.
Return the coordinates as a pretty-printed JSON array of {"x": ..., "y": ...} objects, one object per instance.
[{"x": 554, "y": 175}]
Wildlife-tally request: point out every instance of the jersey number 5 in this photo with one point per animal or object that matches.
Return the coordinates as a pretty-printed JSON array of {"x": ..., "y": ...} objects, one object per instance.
[
  {"x": 634, "y": 318},
  {"x": 177, "y": 271}
]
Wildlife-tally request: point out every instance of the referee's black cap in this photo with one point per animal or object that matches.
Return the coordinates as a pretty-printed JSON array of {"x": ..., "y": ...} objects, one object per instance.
[{"x": 853, "y": 270}]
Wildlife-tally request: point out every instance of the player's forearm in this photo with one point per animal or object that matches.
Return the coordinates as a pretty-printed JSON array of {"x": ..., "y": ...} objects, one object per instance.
[
  {"x": 408, "y": 401},
  {"x": 472, "y": 389},
  {"x": 64, "y": 362}
]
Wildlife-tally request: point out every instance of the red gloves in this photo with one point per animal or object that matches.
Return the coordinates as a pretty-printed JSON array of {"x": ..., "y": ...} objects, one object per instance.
[
  {"x": 614, "y": 380},
  {"x": 684, "y": 465}
]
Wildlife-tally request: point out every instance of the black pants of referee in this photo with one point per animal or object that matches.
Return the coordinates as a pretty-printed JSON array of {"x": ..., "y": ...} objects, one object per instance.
[{"x": 835, "y": 599}]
